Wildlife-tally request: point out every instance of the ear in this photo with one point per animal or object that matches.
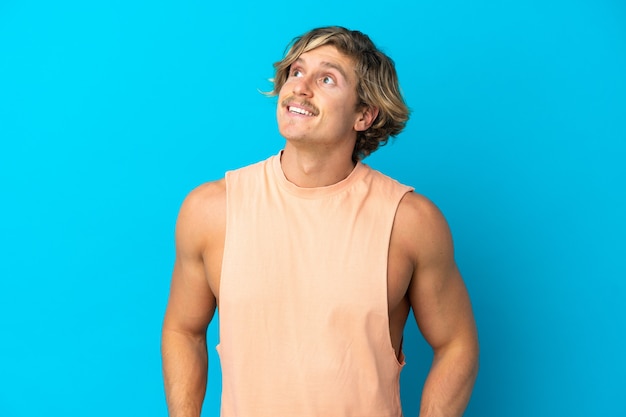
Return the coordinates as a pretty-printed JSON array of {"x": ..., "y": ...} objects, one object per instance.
[{"x": 365, "y": 118}]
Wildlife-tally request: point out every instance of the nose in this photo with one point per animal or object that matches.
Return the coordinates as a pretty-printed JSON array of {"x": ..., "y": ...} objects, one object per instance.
[{"x": 302, "y": 86}]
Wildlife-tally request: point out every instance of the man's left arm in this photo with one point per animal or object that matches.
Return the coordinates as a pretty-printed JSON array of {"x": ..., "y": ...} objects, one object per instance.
[{"x": 442, "y": 309}]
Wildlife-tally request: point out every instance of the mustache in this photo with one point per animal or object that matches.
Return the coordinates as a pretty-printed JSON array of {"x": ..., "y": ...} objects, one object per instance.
[{"x": 292, "y": 101}]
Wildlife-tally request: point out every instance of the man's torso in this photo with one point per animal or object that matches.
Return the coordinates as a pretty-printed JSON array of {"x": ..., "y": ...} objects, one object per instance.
[{"x": 400, "y": 265}]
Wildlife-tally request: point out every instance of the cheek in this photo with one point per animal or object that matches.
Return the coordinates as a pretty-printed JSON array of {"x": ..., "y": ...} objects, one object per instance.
[{"x": 284, "y": 89}]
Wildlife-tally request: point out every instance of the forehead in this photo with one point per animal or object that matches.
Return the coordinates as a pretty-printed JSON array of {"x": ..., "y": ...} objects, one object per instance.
[{"x": 329, "y": 56}]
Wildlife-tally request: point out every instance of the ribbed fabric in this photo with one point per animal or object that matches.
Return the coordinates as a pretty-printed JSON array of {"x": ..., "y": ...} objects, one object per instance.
[{"x": 304, "y": 326}]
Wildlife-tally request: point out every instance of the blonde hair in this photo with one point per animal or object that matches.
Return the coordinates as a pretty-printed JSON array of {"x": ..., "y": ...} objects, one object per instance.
[{"x": 377, "y": 84}]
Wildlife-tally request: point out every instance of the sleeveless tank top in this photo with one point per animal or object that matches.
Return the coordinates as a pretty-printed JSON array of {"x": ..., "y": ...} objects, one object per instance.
[{"x": 303, "y": 314}]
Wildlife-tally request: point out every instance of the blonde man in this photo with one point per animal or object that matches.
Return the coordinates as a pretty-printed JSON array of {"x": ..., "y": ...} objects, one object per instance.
[{"x": 314, "y": 260}]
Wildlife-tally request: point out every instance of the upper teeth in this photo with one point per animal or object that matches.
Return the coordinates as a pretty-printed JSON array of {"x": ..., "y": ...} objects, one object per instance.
[{"x": 300, "y": 111}]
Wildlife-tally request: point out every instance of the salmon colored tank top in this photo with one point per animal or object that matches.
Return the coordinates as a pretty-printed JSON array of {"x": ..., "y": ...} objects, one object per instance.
[{"x": 304, "y": 326}]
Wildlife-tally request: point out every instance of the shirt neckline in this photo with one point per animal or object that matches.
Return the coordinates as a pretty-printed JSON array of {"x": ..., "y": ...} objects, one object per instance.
[{"x": 315, "y": 192}]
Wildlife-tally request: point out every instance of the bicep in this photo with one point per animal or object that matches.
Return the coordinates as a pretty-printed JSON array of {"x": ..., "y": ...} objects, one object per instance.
[
  {"x": 437, "y": 293},
  {"x": 441, "y": 306},
  {"x": 191, "y": 303}
]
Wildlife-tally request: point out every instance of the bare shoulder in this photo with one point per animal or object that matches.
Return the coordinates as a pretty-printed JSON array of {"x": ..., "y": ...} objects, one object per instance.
[
  {"x": 422, "y": 226},
  {"x": 206, "y": 195},
  {"x": 419, "y": 208},
  {"x": 202, "y": 215}
]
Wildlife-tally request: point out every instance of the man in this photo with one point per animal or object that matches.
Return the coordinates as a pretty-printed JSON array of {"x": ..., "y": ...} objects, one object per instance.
[{"x": 314, "y": 260}]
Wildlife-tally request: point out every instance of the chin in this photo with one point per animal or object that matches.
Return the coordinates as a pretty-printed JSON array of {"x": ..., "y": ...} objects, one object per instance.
[{"x": 290, "y": 134}]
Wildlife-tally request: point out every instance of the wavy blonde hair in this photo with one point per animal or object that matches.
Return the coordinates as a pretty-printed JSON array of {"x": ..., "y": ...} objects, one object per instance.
[{"x": 377, "y": 84}]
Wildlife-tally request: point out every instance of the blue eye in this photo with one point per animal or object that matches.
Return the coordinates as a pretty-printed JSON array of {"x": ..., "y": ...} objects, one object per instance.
[
  {"x": 296, "y": 73},
  {"x": 328, "y": 80}
]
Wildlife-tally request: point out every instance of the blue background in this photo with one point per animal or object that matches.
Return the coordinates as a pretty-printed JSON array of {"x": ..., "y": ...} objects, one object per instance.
[{"x": 111, "y": 112}]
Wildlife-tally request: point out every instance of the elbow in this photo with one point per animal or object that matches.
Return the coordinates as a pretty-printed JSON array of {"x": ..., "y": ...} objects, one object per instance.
[{"x": 463, "y": 353}]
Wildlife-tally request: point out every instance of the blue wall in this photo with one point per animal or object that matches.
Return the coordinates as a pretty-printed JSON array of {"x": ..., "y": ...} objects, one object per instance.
[{"x": 110, "y": 112}]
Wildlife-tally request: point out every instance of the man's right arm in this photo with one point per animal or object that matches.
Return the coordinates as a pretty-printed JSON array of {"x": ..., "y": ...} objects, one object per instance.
[{"x": 191, "y": 303}]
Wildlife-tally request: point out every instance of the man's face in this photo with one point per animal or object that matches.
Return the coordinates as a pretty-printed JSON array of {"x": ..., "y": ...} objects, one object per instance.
[{"x": 317, "y": 103}]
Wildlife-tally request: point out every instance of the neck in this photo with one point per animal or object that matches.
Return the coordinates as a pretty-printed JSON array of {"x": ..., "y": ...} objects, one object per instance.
[{"x": 315, "y": 169}]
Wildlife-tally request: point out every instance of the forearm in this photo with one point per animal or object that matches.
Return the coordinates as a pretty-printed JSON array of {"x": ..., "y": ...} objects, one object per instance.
[
  {"x": 185, "y": 366},
  {"x": 449, "y": 384}
]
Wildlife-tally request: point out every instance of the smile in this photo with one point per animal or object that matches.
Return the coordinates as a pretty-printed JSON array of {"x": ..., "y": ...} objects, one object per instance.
[{"x": 299, "y": 110}]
